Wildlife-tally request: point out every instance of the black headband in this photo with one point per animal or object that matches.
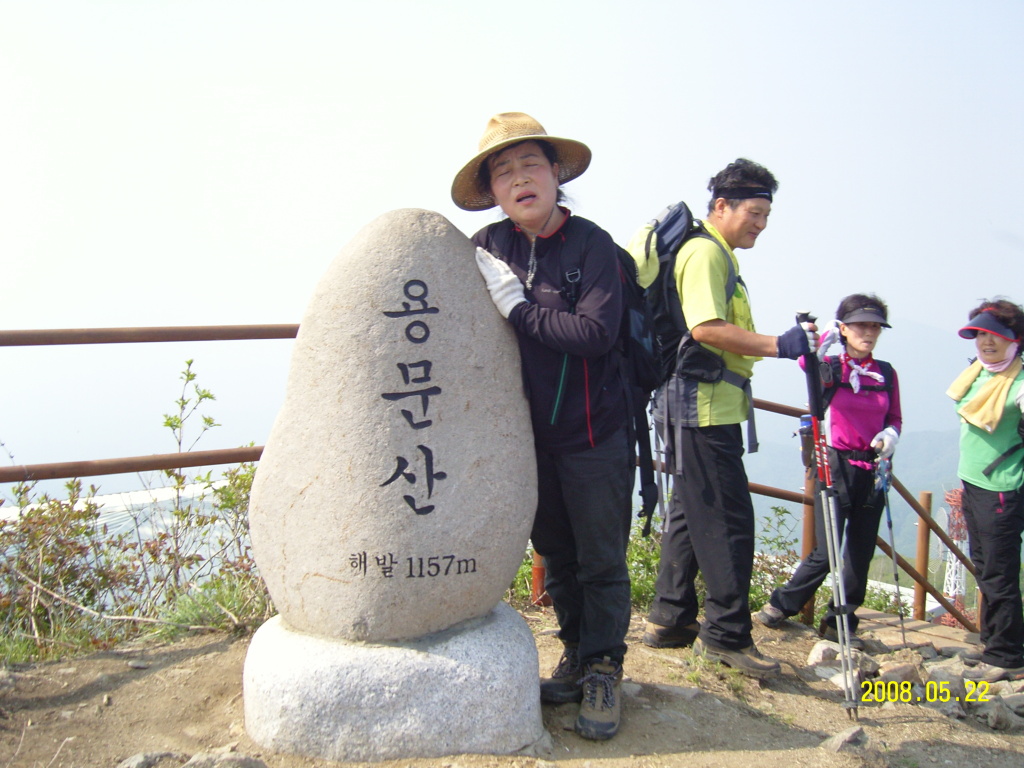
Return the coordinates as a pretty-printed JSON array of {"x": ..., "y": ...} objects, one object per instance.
[{"x": 743, "y": 193}]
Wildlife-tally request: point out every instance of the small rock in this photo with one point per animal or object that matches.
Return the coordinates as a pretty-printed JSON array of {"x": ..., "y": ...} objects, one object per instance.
[
  {"x": 138, "y": 664},
  {"x": 852, "y": 736},
  {"x": 928, "y": 652},
  {"x": 1015, "y": 701},
  {"x": 149, "y": 759},
  {"x": 631, "y": 689},
  {"x": 827, "y": 651},
  {"x": 233, "y": 760},
  {"x": 1002, "y": 688},
  {"x": 899, "y": 672},
  {"x": 684, "y": 692},
  {"x": 999, "y": 717}
]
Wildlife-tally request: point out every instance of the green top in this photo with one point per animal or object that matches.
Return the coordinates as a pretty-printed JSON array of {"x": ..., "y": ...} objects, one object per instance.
[
  {"x": 979, "y": 448},
  {"x": 700, "y": 274}
]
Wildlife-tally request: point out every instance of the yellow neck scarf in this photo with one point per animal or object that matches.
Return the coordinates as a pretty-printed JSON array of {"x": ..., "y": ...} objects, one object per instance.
[{"x": 986, "y": 408}]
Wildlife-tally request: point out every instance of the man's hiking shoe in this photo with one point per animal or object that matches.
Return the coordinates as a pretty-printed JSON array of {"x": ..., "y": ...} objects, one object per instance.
[
  {"x": 564, "y": 684},
  {"x": 770, "y": 616},
  {"x": 748, "y": 660},
  {"x": 990, "y": 673},
  {"x": 828, "y": 632},
  {"x": 657, "y": 636},
  {"x": 601, "y": 707}
]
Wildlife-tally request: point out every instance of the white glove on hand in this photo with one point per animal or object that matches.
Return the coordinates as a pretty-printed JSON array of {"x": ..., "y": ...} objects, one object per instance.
[
  {"x": 506, "y": 290},
  {"x": 1019, "y": 400},
  {"x": 885, "y": 442},
  {"x": 828, "y": 337},
  {"x": 812, "y": 336}
]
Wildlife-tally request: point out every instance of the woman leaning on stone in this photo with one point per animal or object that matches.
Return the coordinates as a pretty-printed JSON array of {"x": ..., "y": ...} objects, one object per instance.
[{"x": 554, "y": 277}]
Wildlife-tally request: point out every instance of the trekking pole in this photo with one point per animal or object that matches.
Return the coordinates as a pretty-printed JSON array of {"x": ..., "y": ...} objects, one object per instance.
[
  {"x": 827, "y": 498},
  {"x": 883, "y": 478}
]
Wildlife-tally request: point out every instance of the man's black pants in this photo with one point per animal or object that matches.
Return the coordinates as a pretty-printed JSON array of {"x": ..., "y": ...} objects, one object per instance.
[{"x": 710, "y": 527}]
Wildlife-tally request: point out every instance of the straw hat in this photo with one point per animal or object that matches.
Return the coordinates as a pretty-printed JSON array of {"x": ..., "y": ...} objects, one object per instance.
[{"x": 504, "y": 130}]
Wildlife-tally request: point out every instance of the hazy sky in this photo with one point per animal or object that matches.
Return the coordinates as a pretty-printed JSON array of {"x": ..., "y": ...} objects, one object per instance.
[{"x": 173, "y": 163}]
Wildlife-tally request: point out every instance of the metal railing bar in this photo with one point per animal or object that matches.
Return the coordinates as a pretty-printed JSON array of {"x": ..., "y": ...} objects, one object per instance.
[
  {"x": 33, "y": 338},
  {"x": 69, "y": 469},
  {"x": 785, "y": 410}
]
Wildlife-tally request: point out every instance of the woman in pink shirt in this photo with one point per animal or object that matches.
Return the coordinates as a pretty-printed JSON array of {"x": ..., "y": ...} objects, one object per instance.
[{"x": 864, "y": 423}]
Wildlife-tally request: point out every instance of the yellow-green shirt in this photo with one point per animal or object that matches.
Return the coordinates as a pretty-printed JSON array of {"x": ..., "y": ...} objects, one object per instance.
[{"x": 701, "y": 275}]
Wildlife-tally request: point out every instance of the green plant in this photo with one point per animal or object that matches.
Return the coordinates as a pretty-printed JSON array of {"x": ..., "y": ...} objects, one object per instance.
[
  {"x": 776, "y": 556},
  {"x": 59, "y": 572},
  {"x": 520, "y": 590},
  {"x": 67, "y": 584},
  {"x": 643, "y": 556}
]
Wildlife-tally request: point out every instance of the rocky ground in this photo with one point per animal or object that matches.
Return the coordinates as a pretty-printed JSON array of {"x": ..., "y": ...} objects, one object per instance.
[{"x": 184, "y": 700}]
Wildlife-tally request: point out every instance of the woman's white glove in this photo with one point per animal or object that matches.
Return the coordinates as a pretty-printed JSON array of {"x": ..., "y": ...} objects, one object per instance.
[
  {"x": 885, "y": 442},
  {"x": 506, "y": 290},
  {"x": 828, "y": 337}
]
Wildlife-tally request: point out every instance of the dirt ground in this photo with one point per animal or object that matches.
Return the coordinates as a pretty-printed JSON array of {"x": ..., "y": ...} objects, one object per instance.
[{"x": 186, "y": 698}]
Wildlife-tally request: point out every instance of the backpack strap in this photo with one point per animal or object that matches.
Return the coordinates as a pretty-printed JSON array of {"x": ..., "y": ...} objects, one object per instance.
[
  {"x": 732, "y": 279},
  {"x": 987, "y": 471},
  {"x": 832, "y": 376}
]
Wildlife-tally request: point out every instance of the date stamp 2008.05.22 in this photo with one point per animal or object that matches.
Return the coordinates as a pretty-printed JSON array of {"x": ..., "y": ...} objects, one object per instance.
[{"x": 905, "y": 692}]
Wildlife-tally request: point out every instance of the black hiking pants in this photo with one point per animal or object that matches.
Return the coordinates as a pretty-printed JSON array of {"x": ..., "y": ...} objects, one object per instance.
[
  {"x": 582, "y": 529},
  {"x": 995, "y": 521},
  {"x": 710, "y": 527},
  {"x": 859, "y": 510}
]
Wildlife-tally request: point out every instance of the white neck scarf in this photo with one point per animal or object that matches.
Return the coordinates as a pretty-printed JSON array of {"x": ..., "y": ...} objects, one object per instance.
[{"x": 857, "y": 370}]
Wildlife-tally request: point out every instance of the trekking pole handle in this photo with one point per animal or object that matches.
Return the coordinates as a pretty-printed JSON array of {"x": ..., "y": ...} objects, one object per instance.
[{"x": 815, "y": 401}]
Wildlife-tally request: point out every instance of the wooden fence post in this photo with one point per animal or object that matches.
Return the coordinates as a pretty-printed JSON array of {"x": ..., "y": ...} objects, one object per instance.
[{"x": 923, "y": 533}]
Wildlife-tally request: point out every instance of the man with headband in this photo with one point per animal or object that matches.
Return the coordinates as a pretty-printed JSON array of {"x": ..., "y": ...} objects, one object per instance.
[{"x": 711, "y": 517}]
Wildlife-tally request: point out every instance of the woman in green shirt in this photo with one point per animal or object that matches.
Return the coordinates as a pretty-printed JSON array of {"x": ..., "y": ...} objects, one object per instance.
[{"x": 990, "y": 399}]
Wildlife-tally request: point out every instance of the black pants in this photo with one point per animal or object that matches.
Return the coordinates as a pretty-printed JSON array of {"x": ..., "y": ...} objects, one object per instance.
[
  {"x": 995, "y": 521},
  {"x": 858, "y": 515},
  {"x": 710, "y": 527},
  {"x": 582, "y": 529}
]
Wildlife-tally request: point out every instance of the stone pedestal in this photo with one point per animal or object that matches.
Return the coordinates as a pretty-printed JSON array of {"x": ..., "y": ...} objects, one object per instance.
[
  {"x": 390, "y": 512},
  {"x": 469, "y": 689}
]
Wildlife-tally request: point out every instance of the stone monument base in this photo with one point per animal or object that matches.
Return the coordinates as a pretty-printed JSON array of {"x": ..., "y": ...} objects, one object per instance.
[{"x": 470, "y": 689}]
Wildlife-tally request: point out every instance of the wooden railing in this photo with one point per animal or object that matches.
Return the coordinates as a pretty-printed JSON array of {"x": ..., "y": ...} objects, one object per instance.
[{"x": 97, "y": 467}]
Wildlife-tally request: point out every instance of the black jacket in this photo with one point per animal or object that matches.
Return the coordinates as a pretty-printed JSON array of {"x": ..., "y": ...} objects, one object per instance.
[{"x": 593, "y": 401}]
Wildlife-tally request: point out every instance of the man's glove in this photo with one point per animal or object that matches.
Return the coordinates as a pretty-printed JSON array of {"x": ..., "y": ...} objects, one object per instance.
[
  {"x": 798, "y": 340},
  {"x": 506, "y": 290},
  {"x": 828, "y": 337},
  {"x": 885, "y": 442}
]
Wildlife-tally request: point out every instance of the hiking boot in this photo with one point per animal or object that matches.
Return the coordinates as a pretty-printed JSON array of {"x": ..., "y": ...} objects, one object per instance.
[
  {"x": 990, "y": 673},
  {"x": 747, "y": 660},
  {"x": 770, "y": 616},
  {"x": 657, "y": 636},
  {"x": 564, "y": 684},
  {"x": 828, "y": 632},
  {"x": 601, "y": 706}
]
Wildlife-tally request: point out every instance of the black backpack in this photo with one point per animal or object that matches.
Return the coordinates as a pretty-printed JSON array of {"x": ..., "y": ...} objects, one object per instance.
[
  {"x": 661, "y": 239},
  {"x": 641, "y": 354},
  {"x": 681, "y": 355}
]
